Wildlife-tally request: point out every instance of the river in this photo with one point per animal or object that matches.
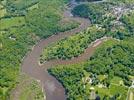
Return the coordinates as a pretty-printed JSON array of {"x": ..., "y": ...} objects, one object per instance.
[{"x": 30, "y": 66}]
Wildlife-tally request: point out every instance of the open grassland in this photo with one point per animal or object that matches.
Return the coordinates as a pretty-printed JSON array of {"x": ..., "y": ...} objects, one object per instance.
[
  {"x": 35, "y": 6},
  {"x": 122, "y": 1},
  {"x": 22, "y": 4},
  {"x": 131, "y": 94},
  {"x": 27, "y": 88},
  {"x": 2, "y": 11},
  {"x": 7, "y": 23},
  {"x": 112, "y": 90}
]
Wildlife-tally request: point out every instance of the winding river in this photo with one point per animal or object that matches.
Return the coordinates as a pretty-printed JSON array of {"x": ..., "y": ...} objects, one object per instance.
[{"x": 30, "y": 66}]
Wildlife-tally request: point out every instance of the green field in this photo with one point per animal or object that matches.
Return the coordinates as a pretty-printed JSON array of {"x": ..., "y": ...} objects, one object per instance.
[
  {"x": 26, "y": 89},
  {"x": 11, "y": 22},
  {"x": 123, "y": 1},
  {"x": 131, "y": 94},
  {"x": 22, "y": 4},
  {"x": 122, "y": 91},
  {"x": 2, "y": 11}
]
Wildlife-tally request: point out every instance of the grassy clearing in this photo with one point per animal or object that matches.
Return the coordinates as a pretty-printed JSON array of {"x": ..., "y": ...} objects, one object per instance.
[
  {"x": 122, "y": 1},
  {"x": 130, "y": 95},
  {"x": 102, "y": 77},
  {"x": 11, "y": 22},
  {"x": 117, "y": 80},
  {"x": 2, "y": 11},
  {"x": 27, "y": 89},
  {"x": 67, "y": 24},
  {"x": 22, "y": 4},
  {"x": 112, "y": 91},
  {"x": 35, "y": 6}
]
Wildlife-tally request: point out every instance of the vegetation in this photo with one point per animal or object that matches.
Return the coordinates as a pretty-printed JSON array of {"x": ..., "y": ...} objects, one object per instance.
[
  {"x": 130, "y": 94},
  {"x": 105, "y": 13},
  {"x": 26, "y": 89},
  {"x": 96, "y": 12},
  {"x": 14, "y": 44},
  {"x": 118, "y": 60},
  {"x": 107, "y": 22},
  {"x": 128, "y": 19},
  {"x": 24, "y": 22},
  {"x": 122, "y": 1},
  {"x": 110, "y": 67},
  {"x": 112, "y": 59},
  {"x": 11, "y": 22},
  {"x": 86, "y": 0},
  {"x": 72, "y": 46},
  {"x": 18, "y": 33},
  {"x": 44, "y": 19}
]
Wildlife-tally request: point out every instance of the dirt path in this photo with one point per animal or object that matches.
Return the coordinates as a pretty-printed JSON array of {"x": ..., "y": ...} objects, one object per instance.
[{"x": 53, "y": 89}]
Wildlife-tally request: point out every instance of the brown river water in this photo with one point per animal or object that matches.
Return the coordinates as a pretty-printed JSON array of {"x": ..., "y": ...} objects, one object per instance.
[{"x": 30, "y": 66}]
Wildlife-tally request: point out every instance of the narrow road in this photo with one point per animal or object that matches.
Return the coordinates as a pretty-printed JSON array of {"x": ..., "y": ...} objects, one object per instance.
[{"x": 53, "y": 89}]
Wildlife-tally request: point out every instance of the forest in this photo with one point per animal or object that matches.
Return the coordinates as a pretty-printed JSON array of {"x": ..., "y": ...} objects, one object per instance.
[
  {"x": 24, "y": 22},
  {"x": 112, "y": 64},
  {"x": 20, "y": 28},
  {"x": 72, "y": 46},
  {"x": 103, "y": 26},
  {"x": 107, "y": 67}
]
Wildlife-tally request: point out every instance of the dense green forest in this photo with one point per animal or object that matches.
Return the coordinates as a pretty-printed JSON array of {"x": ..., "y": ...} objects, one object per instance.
[
  {"x": 94, "y": 11},
  {"x": 72, "y": 46},
  {"x": 105, "y": 23},
  {"x": 22, "y": 24},
  {"x": 111, "y": 66}
]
